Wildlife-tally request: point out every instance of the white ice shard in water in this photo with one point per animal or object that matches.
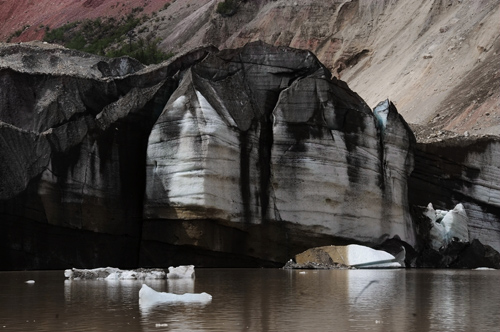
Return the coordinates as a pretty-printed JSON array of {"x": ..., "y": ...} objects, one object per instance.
[
  {"x": 112, "y": 273},
  {"x": 447, "y": 226},
  {"x": 149, "y": 297},
  {"x": 181, "y": 272},
  {"x": 365, "y": 257}
]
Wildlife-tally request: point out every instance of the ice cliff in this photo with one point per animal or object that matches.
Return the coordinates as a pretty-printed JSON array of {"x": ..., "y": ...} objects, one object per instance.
[
  {"x": 461, "y": 171},
  {"x": 258, "y": 150},
  {"x": 215, "y": 158}
]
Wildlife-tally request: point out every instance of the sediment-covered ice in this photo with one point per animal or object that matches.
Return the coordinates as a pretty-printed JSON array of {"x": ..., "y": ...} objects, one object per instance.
[
  {"x": 352, "y": 255},
  {"x": 148, "y": 297},
  {"x": 112, "y": 273}
]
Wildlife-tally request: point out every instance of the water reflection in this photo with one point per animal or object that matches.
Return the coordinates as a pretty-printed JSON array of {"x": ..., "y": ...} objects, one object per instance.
[
  {"x": 461, "y": 300},
  {"x": 259, "y": 300},
  {"x": 373, "y": 300},
  {"x": 181, "y": 286}
]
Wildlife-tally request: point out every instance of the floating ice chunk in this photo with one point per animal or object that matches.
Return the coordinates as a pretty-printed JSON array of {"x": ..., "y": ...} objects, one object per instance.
[
  {"x": 148, "y": 297},
  {"x": 161, "y": 324},
  {"x": 68, "y": 273},
  {"x": 180, "y": 272},
  {"x": 111, "y": 273},
  {"x": 484, "y": 269},
  {"x": 30, "y": 281}
]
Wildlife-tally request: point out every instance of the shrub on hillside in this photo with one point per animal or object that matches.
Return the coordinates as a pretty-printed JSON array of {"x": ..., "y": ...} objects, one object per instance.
[
  {"x": 144, "y": 50},
  {"x": 101, "y": 37},
  {"x": 227, "y": 7}
]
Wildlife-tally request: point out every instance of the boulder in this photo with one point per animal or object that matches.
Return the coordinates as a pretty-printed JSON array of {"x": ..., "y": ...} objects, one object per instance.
[
  {"x": 460, "y": 255},
  {"x": 477, "y": 255}
]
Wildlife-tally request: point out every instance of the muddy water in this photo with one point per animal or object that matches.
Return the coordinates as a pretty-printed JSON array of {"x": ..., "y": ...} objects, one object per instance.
[{"x": 259, "y": 300}]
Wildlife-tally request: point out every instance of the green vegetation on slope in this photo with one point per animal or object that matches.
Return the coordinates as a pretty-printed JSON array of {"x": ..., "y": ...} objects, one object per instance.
[
  {"x": 17, "y": 33},
  {"x": 98, "y": 37},
  {"x": 227, "y": 7}
]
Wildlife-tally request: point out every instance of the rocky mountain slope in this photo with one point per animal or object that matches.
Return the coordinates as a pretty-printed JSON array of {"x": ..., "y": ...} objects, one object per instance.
[
  {"x": 436, "y": 60},
  {"x": 27, "y": 20}
]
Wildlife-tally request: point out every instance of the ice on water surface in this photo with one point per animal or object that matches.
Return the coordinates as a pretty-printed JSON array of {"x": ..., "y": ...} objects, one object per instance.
[
  {"x": 180, "y": 272},
  {"x": 112, "y": 273},
  {"x": 149, "y": 297}
]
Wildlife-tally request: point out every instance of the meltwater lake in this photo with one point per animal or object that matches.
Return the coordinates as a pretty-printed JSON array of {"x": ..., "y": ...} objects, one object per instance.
[{"x": 259, "y": 300}]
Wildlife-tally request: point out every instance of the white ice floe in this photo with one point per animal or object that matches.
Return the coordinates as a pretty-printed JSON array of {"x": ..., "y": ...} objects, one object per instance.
[
  {"x": 111, "y": 273},
  {"x": 366, "y": 257},
  {"x": 484, "y": 269},
  {"x": 181, "y": 272},
  {"x": 29, "y": 281},
  {"x": 148, "y": 297},
  {"x": 447, "y": 226}
]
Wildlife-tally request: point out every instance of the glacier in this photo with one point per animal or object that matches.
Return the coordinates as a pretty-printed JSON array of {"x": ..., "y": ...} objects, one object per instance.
[{"x": 447, "y": 226}]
